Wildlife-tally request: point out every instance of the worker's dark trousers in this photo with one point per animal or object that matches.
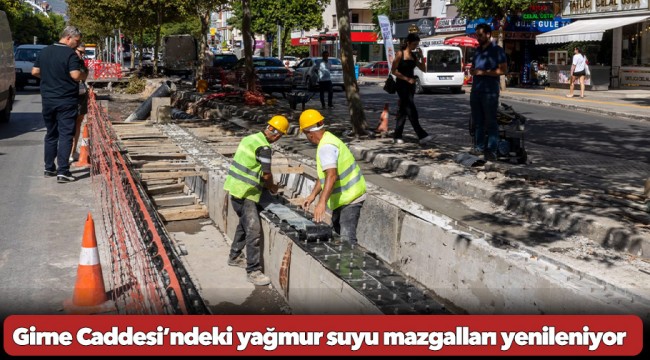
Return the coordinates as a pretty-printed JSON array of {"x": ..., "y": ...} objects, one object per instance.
[
  {"x": 345, "y": 220},
  {"x": 248, "y": 233}
]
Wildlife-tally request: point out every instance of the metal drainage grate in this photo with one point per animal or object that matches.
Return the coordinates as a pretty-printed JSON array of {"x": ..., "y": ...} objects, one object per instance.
[{"x": 390, "y": 291}]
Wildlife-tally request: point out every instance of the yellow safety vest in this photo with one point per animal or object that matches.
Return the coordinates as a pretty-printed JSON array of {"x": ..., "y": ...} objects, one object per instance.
[
  {"x": 351, "y": 184},
  {"x": 244, "y": 180}
]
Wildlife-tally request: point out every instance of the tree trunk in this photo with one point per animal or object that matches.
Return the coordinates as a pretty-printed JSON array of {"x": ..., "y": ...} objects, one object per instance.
[
  {"x": 502, "y": 31},
  {"x": 141, "y": 47},
  {"x": 157, "y": 44},
  {"x": 285, "y": 35},
  {"x": 203, "y": 44},
  {"x": 249, "y": 71},
  {"x": 355, "y": 106}
]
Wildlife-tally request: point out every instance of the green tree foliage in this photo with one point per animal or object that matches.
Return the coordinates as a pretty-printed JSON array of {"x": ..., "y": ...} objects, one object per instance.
[
  {"x": 473, "y": 9},
  {"x": 25, "y": 24},
  {"x": 379, "y": 7},
  {"x": 201, "y": 10},
  {"x": 291, "y": 14}
]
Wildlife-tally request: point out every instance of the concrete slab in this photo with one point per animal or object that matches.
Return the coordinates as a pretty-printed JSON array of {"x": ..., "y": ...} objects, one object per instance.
[
  {"x": 378, "y": 228},
  {"x": 224, "y": 288}
]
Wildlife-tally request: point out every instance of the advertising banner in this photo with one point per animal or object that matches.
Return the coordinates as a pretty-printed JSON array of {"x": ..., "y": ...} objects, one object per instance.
[{"x": 384, "y": 24}]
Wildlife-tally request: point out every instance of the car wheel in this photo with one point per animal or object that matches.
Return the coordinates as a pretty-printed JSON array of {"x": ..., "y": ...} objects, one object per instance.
[
  {"x": 418, "y": 86},
  {"x": 456, "y": 89},
  {"x": 5, "y": 114}
]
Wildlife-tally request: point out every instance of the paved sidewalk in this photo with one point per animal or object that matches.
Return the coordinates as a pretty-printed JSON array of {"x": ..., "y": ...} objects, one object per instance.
[{"x": 633, "y": 103}]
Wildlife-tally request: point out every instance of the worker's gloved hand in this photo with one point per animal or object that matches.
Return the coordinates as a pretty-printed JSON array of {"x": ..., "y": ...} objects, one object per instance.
[{"x": 273, "y": 189}]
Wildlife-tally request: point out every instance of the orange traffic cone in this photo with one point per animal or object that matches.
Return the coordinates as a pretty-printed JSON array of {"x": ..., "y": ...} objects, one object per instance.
[
  {"x": 84, "y": 154},
  {"x": 89, "y": 295},
  {"x": 383, "y": 120}
]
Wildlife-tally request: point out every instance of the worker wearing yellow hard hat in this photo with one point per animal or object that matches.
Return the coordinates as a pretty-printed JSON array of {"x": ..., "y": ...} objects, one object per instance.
[
  {"x": 342, "y": 186},
  {"x": 249, "y": 173}
]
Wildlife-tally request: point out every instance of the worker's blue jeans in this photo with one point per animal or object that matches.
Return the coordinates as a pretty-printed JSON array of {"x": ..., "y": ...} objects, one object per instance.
[{"x": 484, "y": 113}]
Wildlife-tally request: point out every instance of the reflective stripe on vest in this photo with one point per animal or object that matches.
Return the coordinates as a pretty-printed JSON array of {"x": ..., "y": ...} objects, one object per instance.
[
  {"x": 244, "y": 176},
  {"x": 350, "y": 183}
]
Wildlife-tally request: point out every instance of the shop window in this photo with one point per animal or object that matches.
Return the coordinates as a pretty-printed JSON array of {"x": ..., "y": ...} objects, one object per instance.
[
  {"x": 633, "y": 37},
  {"x": 334, "y": 24},
  {"x": 355, "y": 18}
]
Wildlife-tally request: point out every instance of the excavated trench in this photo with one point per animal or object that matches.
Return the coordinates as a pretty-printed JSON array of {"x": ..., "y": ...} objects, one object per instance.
[{"x": 412, "y": 257}]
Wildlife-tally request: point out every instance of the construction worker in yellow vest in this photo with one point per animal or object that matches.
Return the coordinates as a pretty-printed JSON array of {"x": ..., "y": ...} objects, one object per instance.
[
  {"x": 249, "y": 173},
  {"x": 342, "y": 186}
]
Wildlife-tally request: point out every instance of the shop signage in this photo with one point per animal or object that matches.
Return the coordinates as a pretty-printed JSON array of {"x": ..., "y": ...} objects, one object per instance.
[
  {"x": 605, "y": 7},
  {"x": 450, "y": 25},
  {"x": 518, "y": 24},
  {"x": 426, "y": 27},
  {"x": 635, "y": 77},
  {"x": 538, "y": 25}
]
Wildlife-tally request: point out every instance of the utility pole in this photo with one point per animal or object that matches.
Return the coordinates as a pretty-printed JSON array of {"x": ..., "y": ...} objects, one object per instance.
[{"x": 279, "y": 40}]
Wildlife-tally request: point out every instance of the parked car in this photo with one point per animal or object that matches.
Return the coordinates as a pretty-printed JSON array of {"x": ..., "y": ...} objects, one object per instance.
[
  {"x": 271, "y": 75},
  {"x": 290, "y": 61},
  {"x": 306, "y": 75},
  {"x": 225, "y": 61},
  {"x": 375, "y": 68},
  {"x": 7, "y": 70},
  {"x": 25, "y": 57}
]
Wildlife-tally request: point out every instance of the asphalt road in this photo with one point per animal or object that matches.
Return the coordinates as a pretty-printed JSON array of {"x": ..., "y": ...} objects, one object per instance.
[
  {"x": 41, "y": 221},
  {"x": 558, "y": 128}
]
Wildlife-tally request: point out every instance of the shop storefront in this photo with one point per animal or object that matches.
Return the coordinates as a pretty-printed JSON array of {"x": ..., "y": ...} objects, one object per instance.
[
  {"x": 364, "y": 44},
  {"x": 622, "y": 26},
  {"x": 527, "y": 62}
]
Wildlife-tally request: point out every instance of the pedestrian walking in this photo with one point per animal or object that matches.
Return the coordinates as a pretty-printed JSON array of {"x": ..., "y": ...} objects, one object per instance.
[
  {"x": 489, "y": 64},
  {"x": 403, "y": 69},
  {"x": 578, "y": 72},
  {"x": 249, "y": 173},
  {"x": 324, "y": 69},
  {"x": 83, "y": 104},
  {"x": 342, "y": 186},
  {"x": 60, "y": 70}
]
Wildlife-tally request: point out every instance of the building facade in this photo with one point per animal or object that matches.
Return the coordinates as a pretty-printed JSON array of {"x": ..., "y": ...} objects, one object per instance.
[{"x": 622, "y": 28}]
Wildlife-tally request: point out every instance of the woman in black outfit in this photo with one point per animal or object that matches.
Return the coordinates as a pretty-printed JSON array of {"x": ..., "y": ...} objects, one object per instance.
[{"x": 403, "y": 69}]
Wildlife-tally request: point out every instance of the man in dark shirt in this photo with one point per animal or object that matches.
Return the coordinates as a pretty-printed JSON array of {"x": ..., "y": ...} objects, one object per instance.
[
  {"x": 60, "y": 70},
  {"x": 489, "y": 64}
]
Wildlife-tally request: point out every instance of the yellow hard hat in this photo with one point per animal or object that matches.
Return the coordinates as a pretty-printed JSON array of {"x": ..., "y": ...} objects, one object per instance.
[
  {"x": 280, "y": 123},
  {"x": 309, "y": 118}
]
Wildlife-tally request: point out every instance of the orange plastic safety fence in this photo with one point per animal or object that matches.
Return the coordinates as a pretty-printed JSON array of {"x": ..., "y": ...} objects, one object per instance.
[
  {"x": 98, "y": 70},
  {"x": 142, "y": 276}
]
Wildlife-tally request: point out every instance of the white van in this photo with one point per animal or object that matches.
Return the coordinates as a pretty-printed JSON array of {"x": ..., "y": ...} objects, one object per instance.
[
  {"x": 444, "y": 65},
  {"x": 7, "y": 69},
  {"x": 26, "y": 56}
]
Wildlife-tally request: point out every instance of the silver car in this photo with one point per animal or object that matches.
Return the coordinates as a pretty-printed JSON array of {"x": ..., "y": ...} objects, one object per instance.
[{"x": 306, "y": 74}]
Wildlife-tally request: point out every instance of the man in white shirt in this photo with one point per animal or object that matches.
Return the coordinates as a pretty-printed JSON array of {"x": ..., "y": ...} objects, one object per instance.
[
  {"x": 341, "y": 186},
  {"x": 325, "y": 80}
]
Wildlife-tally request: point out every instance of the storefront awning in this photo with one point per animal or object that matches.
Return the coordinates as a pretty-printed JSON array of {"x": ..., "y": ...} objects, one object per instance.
[{"x": 586, "y": 30}]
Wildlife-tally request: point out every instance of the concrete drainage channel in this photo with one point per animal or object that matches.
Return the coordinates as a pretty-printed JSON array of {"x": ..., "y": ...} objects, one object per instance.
[{"x": 411, "y": 259}]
